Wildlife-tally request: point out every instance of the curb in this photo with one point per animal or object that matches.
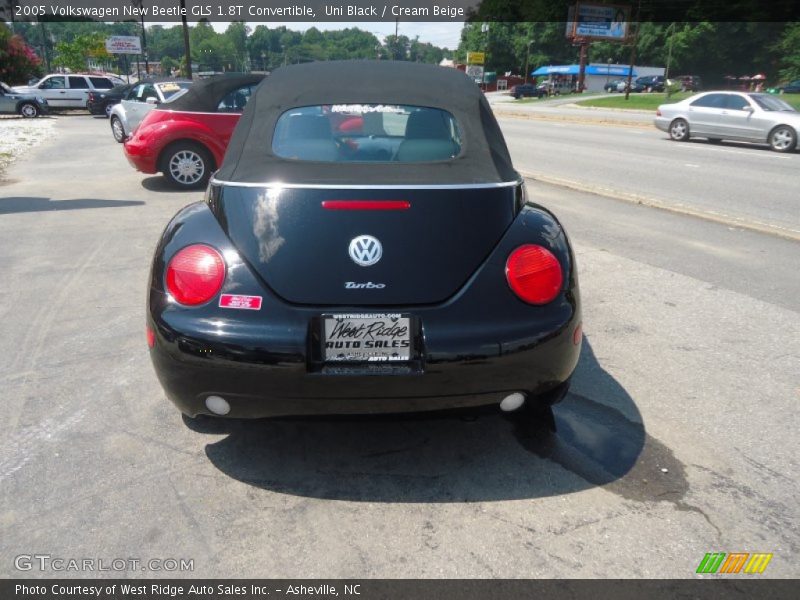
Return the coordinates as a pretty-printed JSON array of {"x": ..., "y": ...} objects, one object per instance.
[
  {"x": 765, "y": 228},
  {"x": 572, "y": 119}
]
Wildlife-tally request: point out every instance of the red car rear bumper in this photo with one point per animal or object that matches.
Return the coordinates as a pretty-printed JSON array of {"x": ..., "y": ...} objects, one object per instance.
[{"x": 143, "y": 157}]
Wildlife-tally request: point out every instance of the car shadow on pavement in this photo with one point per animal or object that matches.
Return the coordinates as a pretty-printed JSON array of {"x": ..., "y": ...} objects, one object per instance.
[
  {"x": 23, "y": 204},
  {"x": 159, "y": 183},
  {"x": 600, "y": 441}
]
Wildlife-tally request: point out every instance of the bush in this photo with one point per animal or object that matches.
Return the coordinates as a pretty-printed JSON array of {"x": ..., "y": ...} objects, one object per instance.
[{"x": 18, "y": 61}]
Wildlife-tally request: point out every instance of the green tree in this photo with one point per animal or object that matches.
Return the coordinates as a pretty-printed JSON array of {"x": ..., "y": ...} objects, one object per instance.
[
  {"x": 397, "y": 47},
  {"x": 165, "y": 41},
  {"x": 75, "y": 55},
  {"x": 236, "y": 34},
  {"x": 168, "y": 64},
  {"x": 788, "y": 49}
]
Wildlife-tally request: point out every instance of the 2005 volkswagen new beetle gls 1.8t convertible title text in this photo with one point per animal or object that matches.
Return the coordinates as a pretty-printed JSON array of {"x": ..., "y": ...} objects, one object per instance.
[{"x": 365, "y": 247}]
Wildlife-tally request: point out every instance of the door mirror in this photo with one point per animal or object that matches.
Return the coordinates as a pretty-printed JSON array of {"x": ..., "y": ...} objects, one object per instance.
[
  {"x": 152, "y": 100},
  {"x": 748, "y": 109}
]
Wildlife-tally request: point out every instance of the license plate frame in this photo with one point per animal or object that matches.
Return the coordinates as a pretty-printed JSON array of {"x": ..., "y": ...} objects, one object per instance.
[{"x": 367, "y": 338}]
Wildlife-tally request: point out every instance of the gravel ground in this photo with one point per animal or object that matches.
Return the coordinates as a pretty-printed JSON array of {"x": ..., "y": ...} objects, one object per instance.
[{"x": 18, "y": 136}]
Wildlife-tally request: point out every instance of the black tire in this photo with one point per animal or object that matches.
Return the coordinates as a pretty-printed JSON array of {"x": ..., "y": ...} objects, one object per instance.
[
  {"x": 187, "y": 165},
  {"x": 29, "y": 110},
  {"x": 107, "y": 110},
  {"x": 782, "y": 139},
  {"x": 679, "y": 130},
  {"x": 117, "y": 130}
]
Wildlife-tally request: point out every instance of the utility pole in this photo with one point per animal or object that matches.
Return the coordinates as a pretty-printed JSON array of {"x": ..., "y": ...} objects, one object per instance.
[
  {"x": 139, "y": 4},
  {"x": 527, "y": 59},
  {"x": 633, "y": 50},
  {"x": 186, "y": 48},
  {"x": 144, "y": 45},
  {"x": 582, "y": 65},
  {"x": 669, "y": 60},
  {"x": 44, "y": 47}
]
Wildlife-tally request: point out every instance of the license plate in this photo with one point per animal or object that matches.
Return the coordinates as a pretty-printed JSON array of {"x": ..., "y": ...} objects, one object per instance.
[{"x": 366, "y": 338}]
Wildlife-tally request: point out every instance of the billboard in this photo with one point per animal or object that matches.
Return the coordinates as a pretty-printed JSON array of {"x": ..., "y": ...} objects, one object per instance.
[
  {"x": 601, "y": 21},
  {"x": 123, "y": 44}
]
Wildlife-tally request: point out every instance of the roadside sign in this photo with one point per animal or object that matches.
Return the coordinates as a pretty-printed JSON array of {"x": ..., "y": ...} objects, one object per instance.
[
  {"x": 475, "y": 58},
  {"x": 475, "y": 72},
  {"x": 123, "y": 44}
]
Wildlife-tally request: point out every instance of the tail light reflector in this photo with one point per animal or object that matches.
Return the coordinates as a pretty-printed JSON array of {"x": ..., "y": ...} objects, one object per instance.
[
  {"x": 534, "y": 274},
  {"x": 195, "y": 274}
]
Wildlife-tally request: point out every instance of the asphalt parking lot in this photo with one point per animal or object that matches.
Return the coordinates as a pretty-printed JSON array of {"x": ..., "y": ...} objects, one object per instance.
[{"x": 679, "y": 436}]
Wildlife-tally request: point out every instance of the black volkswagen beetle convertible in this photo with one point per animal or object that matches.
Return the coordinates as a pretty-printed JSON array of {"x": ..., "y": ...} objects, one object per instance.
[{"x": 365, "y": 247}]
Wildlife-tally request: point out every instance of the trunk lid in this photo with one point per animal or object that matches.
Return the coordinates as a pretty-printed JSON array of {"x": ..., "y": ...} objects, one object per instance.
[{"x": 299, "y": 240}]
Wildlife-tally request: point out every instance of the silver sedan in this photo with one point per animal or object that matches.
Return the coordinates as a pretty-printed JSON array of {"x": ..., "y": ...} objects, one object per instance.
[{"x": 740, "y": 116}]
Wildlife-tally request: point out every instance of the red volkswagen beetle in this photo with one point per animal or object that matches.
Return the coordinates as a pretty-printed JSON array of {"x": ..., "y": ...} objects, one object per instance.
[{"x": 186, "y": 139}]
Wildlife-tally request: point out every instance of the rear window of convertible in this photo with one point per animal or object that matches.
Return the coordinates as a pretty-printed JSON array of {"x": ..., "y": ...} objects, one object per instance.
[{"x": 377, "y": 133}]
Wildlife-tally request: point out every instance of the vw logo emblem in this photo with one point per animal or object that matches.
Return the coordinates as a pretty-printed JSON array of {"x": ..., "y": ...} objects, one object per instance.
[{"x": 365, "y": 250}]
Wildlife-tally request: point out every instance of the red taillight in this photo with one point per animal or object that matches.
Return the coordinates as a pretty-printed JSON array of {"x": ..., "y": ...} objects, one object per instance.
[
  {"x": 151, "y": 336},
  {"x": 195, "y": 274},
  {"x": 534, "y": 274},
  {"x": 658, "y": 113}
]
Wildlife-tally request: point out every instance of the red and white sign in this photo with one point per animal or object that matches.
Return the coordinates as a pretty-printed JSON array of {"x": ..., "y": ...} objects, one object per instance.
[
  {"x": 240, "y": 302},
  {"x": 123, "y": 44}
]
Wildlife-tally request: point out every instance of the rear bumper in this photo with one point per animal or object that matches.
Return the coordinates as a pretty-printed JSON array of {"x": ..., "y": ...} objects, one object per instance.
[
  {"x": 268, "y": 381},
  {"x": 96, "y": 108},
  {"x": 142, "y": 157},
  {"x": 661, "y": 123}
]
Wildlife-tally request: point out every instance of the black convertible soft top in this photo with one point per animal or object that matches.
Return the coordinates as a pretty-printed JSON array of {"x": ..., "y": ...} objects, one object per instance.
[
  {"x": 484, "y": 157},
  {"x": 205, "y": 95}
]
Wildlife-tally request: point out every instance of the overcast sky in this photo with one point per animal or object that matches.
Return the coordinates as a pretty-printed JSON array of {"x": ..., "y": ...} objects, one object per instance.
[{"x": 444, "y": 35}]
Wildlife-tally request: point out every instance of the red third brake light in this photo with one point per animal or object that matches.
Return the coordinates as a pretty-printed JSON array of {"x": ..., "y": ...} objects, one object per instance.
[
  {"x": 534, "y": 274},
  {"x": 366, "y": 204},
  {"x": 195, "y": 274}
]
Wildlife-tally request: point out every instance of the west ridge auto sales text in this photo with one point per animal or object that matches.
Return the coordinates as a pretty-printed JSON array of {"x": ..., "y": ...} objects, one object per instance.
[{"x": 182, "y": 591}]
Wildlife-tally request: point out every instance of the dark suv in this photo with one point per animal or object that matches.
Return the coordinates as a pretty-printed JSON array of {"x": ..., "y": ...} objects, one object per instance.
[
  {"x": 651, "y": 83},
  {"x": 527, "y": 89}
]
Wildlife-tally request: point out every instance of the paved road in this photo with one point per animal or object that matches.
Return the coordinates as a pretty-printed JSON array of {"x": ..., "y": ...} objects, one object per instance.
[
  {"x": 740, "y": 183},
  {"x": 678, "y": 438}
]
